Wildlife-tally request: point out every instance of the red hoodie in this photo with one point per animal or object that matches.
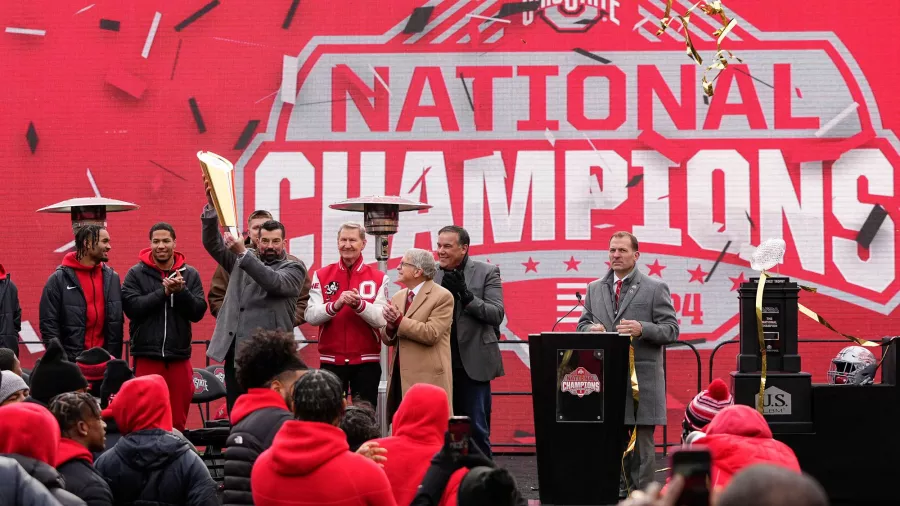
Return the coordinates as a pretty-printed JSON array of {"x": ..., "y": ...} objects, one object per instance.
[
  {"x": 146, "y": 256},
  {"x": 91, "y": 281},
  {"x": 255, "y": 399},
  {"x": 419, "y": 426},
  {"x": 310, "y": 463},
  {"x": 72, "y": 450},
  {"x": 29, "y": 430},
  {"x": 141, "y": 404},
  {"x": 738, "y": 437}
]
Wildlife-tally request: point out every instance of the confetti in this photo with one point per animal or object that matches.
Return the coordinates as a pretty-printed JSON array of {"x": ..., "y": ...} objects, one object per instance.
[
  {"x": 870, "y": 228},
  {"x": 418, "y": 19},
  {"x": 197, "y": 15},
  {"x": 151, "y": 35},
  {"x": 109, "y": 24},
  {"x": 592, "y": 56},
  {"x": 84, "y": 9},
  {"x": 721, "y": 256},
  {"x": 498, "y": 20},
  {"x": 175, "y": 63},
  {"x": 550, "y": 138},
  {"x": 752, "y": 225},
  {"x": 290, "y": 14},
  {"x": 32, "y": 137},
  {"x": 799, "y": 95},
  {"x": 664, "y": 146},
  {"x": 837, "y": 119},
  {"x": 753, "y": 77},
  {"x": 169, "y": 171},
  {"x": 198, "y": 118},
  {"x": 247, "y": 134},
  {"x": 466, "y": 87},
  {"x": 289, "y": 67},
  {"x": 636, "y": 180},
  {"x": 380, "y": 80},
  {"x": 127, "y": 82},
  {"x": 512, "y": 8},
  {"x": 26, "y": 31}
]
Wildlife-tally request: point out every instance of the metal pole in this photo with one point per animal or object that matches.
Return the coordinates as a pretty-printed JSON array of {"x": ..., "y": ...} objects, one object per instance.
[{"x": 381, "y": 253}]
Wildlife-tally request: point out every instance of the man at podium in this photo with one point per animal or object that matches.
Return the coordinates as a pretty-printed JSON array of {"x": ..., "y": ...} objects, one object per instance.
[{"x": 628, "y": 302}]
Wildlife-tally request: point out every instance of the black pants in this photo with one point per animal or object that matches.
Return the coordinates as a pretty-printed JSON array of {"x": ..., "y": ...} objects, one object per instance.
[
  {"x": 360, "y": 381},
  {"x": 233, "y": 389},
  {"x": 473, "y": 399}
]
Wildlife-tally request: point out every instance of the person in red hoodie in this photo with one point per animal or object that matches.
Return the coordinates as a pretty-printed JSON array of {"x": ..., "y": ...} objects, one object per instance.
[
  {"x": 738, "y": 437},
  {"x": 310, "y": 462},
  {"x": 162, "y": 296},
  {"x": 81, "y": 304},
  {"x": 149, "y": 463},
  {"x": 83, "y": 432}
]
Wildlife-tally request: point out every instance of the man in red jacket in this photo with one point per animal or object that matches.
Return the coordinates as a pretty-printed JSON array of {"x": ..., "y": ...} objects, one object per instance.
[
  {"x": 346, "y": 300},
  {"x": 310, "y": 462}
]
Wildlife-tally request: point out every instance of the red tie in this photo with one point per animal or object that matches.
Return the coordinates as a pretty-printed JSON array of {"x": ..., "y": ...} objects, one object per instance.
[
  {"x": 409, "y": 299},
  {"x": 618, "y": 289}
]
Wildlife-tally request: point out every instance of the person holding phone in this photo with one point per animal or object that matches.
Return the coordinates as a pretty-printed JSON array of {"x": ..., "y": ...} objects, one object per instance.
[{"x": 163, "y": 296}]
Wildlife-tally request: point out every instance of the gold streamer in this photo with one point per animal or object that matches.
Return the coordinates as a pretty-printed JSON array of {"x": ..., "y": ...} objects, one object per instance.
[
  {"x": 862, "y": 342},
  {"x": 636, "y": 396},
  {"x": 762, "y": 342}
]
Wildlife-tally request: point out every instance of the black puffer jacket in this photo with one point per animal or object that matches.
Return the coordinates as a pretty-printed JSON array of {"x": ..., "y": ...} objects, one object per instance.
[
  {"x": 63, "y": 311},
  {"x": 79, "y": 474},
  {"x": 49, "y": 478},
  {"x": 17, "y": 487},
  {"x": 153, "y": 467},
  {"x": 160, "y": 326},
  {"x": 10, "y": 313}
]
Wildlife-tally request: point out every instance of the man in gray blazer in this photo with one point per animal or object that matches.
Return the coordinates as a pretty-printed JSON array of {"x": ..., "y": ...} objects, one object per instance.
[
  {"x": 262, "y": 292},
  {"x": 628, "y": 302},
  {"x": 477, "y": 314}
]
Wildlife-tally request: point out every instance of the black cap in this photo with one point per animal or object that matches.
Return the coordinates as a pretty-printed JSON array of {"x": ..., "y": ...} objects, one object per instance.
[
  {"x": 117, "y": 373},
  {"x": 55, "y": 375}
]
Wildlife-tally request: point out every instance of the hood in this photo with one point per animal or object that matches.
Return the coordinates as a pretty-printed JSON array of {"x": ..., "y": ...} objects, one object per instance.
[
  {"x": 423, "y": 414},
  {"x": 2, "y": 271},
  {"x": 29, "y": 430},
  {"x": 146, "y": 258},
  {"x": 72, "y": 450},
  {"x": 70, "y": 261},
  {"x": 141, "y": 404},
  {"x": 739, "y": 420},
  {"x": 300, "y": 448},
  {"x": 150, "y": 449},
  {"x": 256, "y": 399}
]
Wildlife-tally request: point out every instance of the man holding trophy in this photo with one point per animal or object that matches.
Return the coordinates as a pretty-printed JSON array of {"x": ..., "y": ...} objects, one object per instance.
[{"x": 264, "y": 284}]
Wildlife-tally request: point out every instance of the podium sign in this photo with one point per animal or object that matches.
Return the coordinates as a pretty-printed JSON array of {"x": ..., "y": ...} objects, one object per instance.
[
  {"x": 578, "y": 383},
  {"x": 579, "y": 397}
]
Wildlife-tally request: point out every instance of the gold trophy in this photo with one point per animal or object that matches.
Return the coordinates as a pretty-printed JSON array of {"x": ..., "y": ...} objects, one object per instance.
[{"x": 220, "y": 173}]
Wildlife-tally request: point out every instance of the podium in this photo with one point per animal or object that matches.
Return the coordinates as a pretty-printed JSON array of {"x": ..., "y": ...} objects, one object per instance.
[{"x": 579, "y": 383}]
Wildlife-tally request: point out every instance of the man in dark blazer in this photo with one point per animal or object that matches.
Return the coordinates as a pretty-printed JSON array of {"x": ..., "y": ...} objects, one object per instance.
[
  {"x": 477, "y": 314},
  {"x": 628, "y": 302}
]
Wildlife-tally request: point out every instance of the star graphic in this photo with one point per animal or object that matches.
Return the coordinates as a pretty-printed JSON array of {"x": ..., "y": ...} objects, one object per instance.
[
  {"x": 656, "y": 268},
  {"x": 737, "y": 282},
  {"x": 571, "y": 264},
  {"x": 530, "y": 265},
  {"x": 697, "y": 274}
]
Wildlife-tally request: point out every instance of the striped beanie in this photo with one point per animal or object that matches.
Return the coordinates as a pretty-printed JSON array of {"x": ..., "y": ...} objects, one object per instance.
[{"x": 706, "y": 404}]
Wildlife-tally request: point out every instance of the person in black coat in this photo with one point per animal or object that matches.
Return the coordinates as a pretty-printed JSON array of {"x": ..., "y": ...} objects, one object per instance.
[
  {"x": 83, "y": 432},
  {"x": 30, "y": 435},
  {"x": 149, "y": 463},
  {"x": 268, "y": 367},
  {"x": 82, "y": 300},
  {"x": 162, "y": 296},
  {"x": 10, "y": 313},
  {"x": 17, "y": 487}
]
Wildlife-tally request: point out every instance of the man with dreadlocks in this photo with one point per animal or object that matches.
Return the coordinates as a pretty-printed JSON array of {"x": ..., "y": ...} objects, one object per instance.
[
  {"x": 82, "y": 300},
  {"x": 83, "y": 431}
]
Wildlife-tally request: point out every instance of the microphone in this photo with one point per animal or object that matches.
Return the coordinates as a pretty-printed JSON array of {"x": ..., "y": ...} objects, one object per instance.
[
  {"x": 593, "y": 318},
  {"x": 577, "y": 296}
]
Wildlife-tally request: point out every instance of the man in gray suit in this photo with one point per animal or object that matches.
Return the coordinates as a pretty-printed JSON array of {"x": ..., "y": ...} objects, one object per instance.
[
  {"x": 477, "y": 314},
  {"x": 628, "y": 302},
  {"x": 262, "y": 292}
]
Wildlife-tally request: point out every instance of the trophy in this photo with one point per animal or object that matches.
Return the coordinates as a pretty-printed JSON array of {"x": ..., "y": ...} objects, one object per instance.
[{"x": 220, "y": 174}]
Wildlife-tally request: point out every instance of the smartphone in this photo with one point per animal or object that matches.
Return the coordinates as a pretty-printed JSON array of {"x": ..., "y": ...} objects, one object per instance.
[
  {"x": 694, "y": 465},
  {"x": 460, "y": 429}
]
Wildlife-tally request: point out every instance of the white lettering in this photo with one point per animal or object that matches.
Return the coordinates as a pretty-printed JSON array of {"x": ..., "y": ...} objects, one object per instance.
[
  {"x": 301, "y": 177},
  {"x": 701, "y": 226},
  {"x": 657, "y": 219},
  {"x": 438, "y": 193},
  {"x": 584, "y": 193}
]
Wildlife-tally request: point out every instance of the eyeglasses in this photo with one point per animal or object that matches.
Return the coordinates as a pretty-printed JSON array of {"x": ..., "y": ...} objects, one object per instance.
[{"x": 408, "y": 265}]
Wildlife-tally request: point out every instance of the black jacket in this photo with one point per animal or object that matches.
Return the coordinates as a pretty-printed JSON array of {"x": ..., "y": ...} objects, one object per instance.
[
  {"x": 49, "y": 478},
  {"x": 10, "y": 314},
  {"x": 84, "y": 482},
  {"x": 160, "y": 326},
  {"x": 63, "y": 311},
  {"x": 248, "y": 439},
  {"x": 17, "y": 487},
  {"x": 153, "y": 467}
]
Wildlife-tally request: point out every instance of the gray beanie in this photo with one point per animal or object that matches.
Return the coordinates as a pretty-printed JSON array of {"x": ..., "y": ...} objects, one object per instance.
[{"x": 10, "y": 384}]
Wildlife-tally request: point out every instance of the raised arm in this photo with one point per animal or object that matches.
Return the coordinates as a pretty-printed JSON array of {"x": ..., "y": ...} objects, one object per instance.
[
  {"x": 212, "y": 239},
  {"x": 284, "y": 282}
]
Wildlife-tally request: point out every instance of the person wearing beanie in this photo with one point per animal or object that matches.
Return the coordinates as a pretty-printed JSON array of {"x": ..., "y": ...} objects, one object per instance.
[
  {"x": 55, "y": 375},
  {"x": 81, "y": 304},
  {"x": 30, "y": 435},
  {"x": 116, "y": 374},
  {"x": 83, "y": 431},
  {"x": 149, "y": 464},
  {"x": 12, "y": 388},
  {"x": 10, "y": 313},
  {"x": 738, "y": 437},
  {"x": 92, "y": 363},
  {"x": 309, "y": 462},
  {"x": 704, "y": 406},
  {"x": 267, "y": 367},
  {"x": 162, "y": 296}
]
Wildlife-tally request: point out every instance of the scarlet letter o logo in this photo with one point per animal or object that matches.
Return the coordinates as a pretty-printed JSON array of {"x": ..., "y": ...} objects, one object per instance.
[{"x": 367, "y": 289}]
